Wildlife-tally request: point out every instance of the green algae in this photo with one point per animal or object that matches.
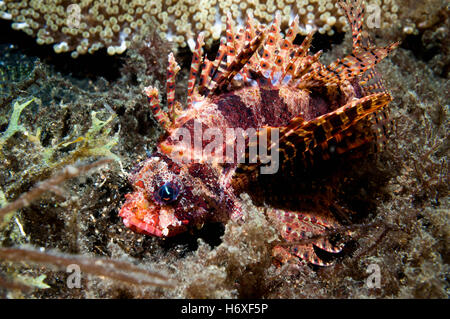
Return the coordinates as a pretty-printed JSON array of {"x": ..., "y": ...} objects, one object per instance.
[
  {"x": 14, "y": 126},
  {"x": 96, "y": 142}
]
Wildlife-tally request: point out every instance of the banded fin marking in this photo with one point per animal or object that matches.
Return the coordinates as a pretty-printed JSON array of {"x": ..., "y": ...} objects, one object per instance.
[
  {"x": 231, "y": 45},
  {"x": 372, "y": 81},
  {"x": 270, "y": 47},
  {"x": 354, "y": 11},
  {"x": 348, "y": 68},
  {"x": 300, "y": 139},
  {"x": 153, "y": 98},
  {"x": 225, "y": 76},
  {"x": 195, "y": 66},
  {"x": 325, "y": 244},
  {"x": 297, "y": 226},
  {"x": 211, "y": 69},
  {"x": 293, "y": 65},
  {"x": 172, "y": 71}
]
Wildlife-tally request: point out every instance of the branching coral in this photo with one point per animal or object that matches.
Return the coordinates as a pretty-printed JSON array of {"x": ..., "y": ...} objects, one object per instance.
[{"x": 85, "y": 26}]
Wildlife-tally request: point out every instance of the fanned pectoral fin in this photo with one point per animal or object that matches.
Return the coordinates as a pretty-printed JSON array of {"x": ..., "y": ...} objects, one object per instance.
[
  {"x": 302, "y": 231},
  {"x": 301, "y": 141},
  {"x": 315, "y": 136},
  {"x": 292, "y": 253},
  {"x": 225, "y": 75}
]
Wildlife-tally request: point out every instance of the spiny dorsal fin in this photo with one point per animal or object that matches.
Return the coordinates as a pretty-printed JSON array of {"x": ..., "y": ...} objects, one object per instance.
[
  {"x": 354, "y": 10},
  {"x": 268, "y": 65},
  {"x": 295, "y": 54},
  {"x": 197, "y": 57},
  {"x": 231, "y": 43},
  {"x": 210, "y": 71},
  {"x": 161, "y": 116},
  {"x": 241, "y": 59},
  {"x": 172, "y": 71},
  {"x": 372, "y": 81},
  {"x": 347, "y": 68}
]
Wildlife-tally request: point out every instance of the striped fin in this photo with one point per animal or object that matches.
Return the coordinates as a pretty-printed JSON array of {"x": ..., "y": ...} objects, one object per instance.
[
  {"x": 305, "y": 65},
  {"x": 280, "y": 49},
  {"x": 248, "y": 34},
  {"x": 348, "y": 68},
  {"x": 293, "y": 30},
  {"x": 241, "y": 36},
  {"x": 382, "y": 126},
  {"x": 372, "y": 81},
  {"x": 300, "y": 61},
  {"x": 280, "y": 60},
  {"x": 274, "y": 36},
  {"x": 211, "y": 71},
  {"x": 285, "y": 49},
  {"x": 307, "y": 253},
  {"x": 206, "y": 73},
  {"x": 306, "y": 44},
  {"x": 301, "y": 140},
  {"x": 317, "y": 132},
  {"x": 172, "y": 71},
  {"x": 283, "y": 256},
  {"x": 350, "y": 138},
  {"x": 232, "y": 58},
  {"x": 237, "y": 41},
  {"x": 241, "y": 59},
  {"x": 363, "y": 58},
  {"x": 271, "y": 45},
  {"x": 381, "y": 123},
  {"x": 195, "y": 65},
  {"x": 231, "y": 45},
  {"x": 292, "y": 253},
  {"x": 354, "y": 10},
  {"x": 327, "y": 126},
  {"x": 297, "y": 226},
  {"x": 325, "y": 244},
  {"x": 153, "y": 98}
]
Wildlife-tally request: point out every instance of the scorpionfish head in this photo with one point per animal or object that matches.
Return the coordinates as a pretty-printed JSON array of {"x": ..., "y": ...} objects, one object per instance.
[{"x": 165, "y": 200}]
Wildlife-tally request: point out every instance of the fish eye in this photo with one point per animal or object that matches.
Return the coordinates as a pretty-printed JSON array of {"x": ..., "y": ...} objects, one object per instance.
[{"x": 167, "y": 193}]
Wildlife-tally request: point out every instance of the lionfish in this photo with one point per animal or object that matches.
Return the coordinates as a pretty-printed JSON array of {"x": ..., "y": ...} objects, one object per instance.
[{"x": 260, "y": 79}]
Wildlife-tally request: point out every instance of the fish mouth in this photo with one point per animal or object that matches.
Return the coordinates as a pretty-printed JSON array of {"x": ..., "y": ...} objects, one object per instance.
[{"x": 142, "y": 216}]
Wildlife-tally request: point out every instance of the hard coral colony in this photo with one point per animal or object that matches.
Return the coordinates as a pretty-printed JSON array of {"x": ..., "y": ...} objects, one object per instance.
[
  {"x": 85, "y": 26},
  {"x": 260, "y": 79}
]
